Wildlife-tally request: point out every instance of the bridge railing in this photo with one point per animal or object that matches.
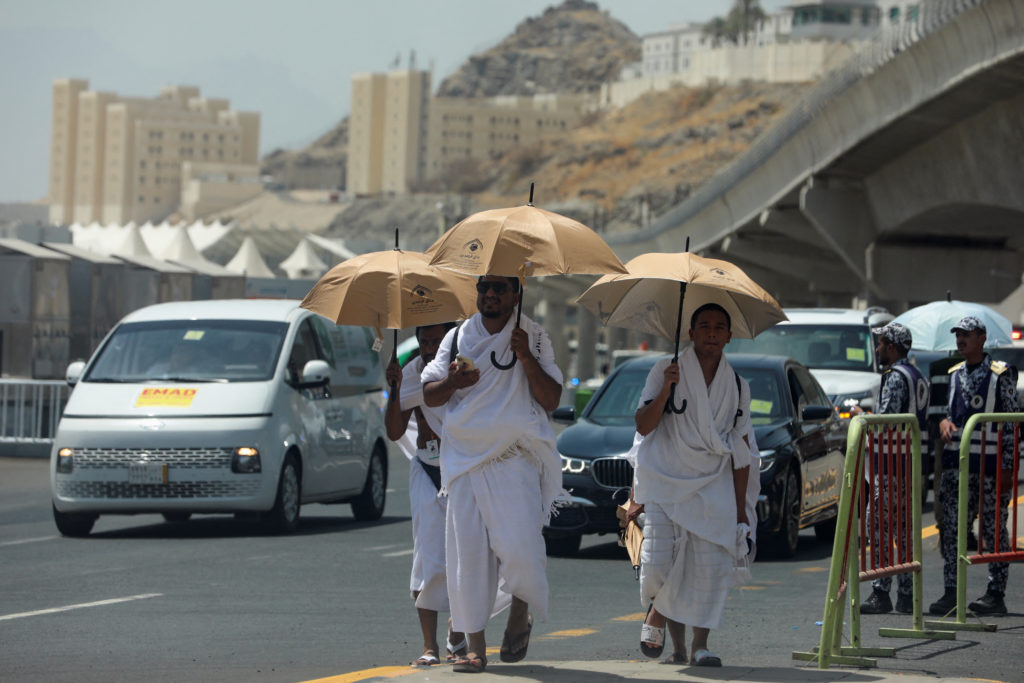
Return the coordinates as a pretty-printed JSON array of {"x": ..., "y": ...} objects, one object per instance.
[{"x": 885, "y": 45}]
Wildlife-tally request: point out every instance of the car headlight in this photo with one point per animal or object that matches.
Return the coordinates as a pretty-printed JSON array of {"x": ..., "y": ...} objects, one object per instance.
[
  {"x": 847, "y": 402},
  {"x": 767, "y": 459},
  {"x": 65, "y": 460},
  {"x": 573, "y": 465},
  {"x": 246, "y": 460}
]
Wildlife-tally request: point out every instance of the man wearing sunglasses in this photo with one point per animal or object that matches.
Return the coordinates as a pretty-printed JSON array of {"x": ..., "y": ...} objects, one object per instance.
[{"x": 499, "y": 465}]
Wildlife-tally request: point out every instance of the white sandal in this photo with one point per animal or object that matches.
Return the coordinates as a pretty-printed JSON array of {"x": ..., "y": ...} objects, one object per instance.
[
  {"x": 455, "y": 650},
  {"x": 652, "y": 640}
]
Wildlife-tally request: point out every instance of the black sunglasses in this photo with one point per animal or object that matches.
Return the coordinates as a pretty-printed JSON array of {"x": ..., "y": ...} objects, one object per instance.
[{"x": 498, "y": 288}]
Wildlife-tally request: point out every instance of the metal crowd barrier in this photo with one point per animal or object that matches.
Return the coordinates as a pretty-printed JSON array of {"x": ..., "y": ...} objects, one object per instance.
[
  {"x": 1004, "y": 483},
  {"x": 30, "y": 410},
  {"x": 878, "y": 533}
]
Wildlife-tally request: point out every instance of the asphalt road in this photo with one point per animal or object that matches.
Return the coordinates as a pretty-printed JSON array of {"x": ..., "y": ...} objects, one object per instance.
[{"x": 216, "y": 599}]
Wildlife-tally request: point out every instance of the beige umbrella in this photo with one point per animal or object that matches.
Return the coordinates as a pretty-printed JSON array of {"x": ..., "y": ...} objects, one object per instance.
[
  {"x": 523, "y": 238},
  {"x": 661, "y": 290},
  {"x": 391, "y": 289},
  {"x": 631, "y": 536},
  {"x": 522, "y": 241}
]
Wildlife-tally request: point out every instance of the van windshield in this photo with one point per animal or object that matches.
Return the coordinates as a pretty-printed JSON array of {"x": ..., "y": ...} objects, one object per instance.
[
  {"x": 831, "y": 347},
  {"x": 190, "y": 350}
]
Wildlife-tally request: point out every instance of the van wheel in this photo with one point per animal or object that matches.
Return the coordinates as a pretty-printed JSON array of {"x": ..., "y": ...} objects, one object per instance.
[
  {"x": 73, "y": 524},
  {"x": 283, "y": 518},
  {"x": 369, "y": 506},
  {"x": 176, "y": 517},
  {"x": 785, "y": 541}
]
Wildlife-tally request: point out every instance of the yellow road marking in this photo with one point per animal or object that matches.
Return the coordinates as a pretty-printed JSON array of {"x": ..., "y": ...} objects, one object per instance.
[
  {"x": 932, "y": 530},
  {"x": 570, "y": 633},
  {"x": 752, "y": 588},
  {"x": 811, "y": 570},
  {"x": 366, "y": 674},
  {"x": 635, "y": 616}
]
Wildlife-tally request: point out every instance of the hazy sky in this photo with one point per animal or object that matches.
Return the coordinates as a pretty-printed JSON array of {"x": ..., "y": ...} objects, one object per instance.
[{"x": 290, "y": 61}]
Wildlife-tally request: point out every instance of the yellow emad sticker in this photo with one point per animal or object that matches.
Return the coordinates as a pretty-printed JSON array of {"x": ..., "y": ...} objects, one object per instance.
[
  {"x": 166, "y": 396},
  {"x": 760, "y": 407},
  {"x": 855, "y": 354},
  {"x": 194, "y": 335}
]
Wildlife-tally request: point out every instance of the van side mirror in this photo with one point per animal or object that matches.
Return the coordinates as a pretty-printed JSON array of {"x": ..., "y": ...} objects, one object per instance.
[
  {"x": 74, "y": 373},
  {"x": 564, "y": 414},
  {"x": 315, "y": 373},
  {"x": 815, "y": 413}
]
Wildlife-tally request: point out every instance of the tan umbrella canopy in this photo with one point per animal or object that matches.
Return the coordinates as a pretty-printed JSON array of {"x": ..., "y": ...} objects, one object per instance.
[
  {"x": 391, "y": 289},
  {"x": 661, "y": 290},
  {"x": 523, "y": 240},
  {"x": 649, "y": 296}
]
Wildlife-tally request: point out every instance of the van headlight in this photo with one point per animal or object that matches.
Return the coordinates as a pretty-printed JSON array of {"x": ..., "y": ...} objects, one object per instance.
[
  {"x": 65, "y": 460},
  {"x": 246, "y": 460},
  {"x": 573, "y": 465},
  {"x": 767, "y": 459}
]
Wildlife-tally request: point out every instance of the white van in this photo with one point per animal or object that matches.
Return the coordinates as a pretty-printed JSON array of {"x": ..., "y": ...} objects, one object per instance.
[{"x": 245, "y": 406}]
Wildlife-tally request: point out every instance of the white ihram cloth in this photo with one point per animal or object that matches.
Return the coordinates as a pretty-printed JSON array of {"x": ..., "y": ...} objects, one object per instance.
[
  {"x": 501, "y": 471},
  {"x": 428, "y": 576},
  {"x": 684, "y": 477}
]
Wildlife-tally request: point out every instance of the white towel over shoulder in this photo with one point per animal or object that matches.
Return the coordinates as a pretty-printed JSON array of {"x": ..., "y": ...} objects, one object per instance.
[
  {"x": 686, "y": 463},
  {"x": 482, "y": 421}
]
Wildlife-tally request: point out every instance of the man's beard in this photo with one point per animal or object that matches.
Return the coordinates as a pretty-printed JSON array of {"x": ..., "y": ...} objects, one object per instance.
[{"x": 491, "y": 314}]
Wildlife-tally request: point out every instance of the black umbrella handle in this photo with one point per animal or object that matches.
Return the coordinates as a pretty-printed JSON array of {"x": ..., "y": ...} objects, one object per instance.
[
  {"x": 494, "y": 356},
  {"x": 670, "y": 405},
  {"x": 519, "y": 316}
]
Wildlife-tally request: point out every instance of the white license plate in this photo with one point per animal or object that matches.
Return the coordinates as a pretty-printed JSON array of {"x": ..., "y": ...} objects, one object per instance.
[{"x": 147, "y": 473}]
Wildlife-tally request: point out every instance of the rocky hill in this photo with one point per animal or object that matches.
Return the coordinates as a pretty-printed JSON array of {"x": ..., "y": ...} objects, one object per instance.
[{"x": 574, "y": 48}]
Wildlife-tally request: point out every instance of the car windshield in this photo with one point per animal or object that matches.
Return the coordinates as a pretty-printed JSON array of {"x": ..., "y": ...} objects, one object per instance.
[
  {"x": 616, "y": 405},
  {"x": 190, "y": 350},
  {"x": 832, "y": 347},
  {"x": 1014, "y": 355},
  {"x": 767, "y": 404}
]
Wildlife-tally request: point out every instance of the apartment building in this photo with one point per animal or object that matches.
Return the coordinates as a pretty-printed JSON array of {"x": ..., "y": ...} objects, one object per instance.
[
  {"x": 486, "y": 128},
  {"x": 387, "y": 131},
  {"x": 400, "y": 135},
  {"x": 119, "y": 159}
]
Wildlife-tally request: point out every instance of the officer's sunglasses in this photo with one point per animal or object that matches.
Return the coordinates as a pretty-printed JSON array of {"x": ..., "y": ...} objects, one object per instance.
[{"x": 498, "y": 288}]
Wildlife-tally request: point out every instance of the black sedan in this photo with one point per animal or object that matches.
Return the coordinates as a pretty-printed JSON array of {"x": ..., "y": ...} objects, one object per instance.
[{"x": 801, "y": 439}]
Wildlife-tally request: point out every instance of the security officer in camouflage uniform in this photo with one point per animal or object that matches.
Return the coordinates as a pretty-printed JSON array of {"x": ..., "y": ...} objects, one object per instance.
[
  {"x": 904, "y": 390},
  {"x": 978, "y": 385}
]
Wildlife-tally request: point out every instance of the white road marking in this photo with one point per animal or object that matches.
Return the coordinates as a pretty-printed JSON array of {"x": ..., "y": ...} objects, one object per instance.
[
  {"x": 28, "y": 540},
  {"x": 398, "y": 553},
  {"x": 375, "y": 548},
  {"x": 67, "y": 608}
]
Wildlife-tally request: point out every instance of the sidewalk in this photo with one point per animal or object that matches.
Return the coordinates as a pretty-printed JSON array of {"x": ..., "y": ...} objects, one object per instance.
[{"x": 612, "y": 671}]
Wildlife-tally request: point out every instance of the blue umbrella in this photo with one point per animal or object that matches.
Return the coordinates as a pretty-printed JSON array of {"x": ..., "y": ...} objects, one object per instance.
[{"x": 930, "y": 324}]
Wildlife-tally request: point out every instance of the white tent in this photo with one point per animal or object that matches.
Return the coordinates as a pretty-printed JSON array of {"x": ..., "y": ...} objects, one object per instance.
[
  {"x": 248, "y": 261},
  {"x": 133, "y": 245},
  {"x": 182, "y": 251},
  {"x": 334, "y": 245},
  {"x": 303, "y": 263}
]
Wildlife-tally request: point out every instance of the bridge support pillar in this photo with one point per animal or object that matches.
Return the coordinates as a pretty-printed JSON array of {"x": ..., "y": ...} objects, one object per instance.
[{"x": 586, "y": 344}]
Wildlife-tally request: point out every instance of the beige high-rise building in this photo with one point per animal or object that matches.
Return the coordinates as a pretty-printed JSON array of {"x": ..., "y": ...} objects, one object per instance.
[
  {"x": 117, "y": 159},
  {"x": 486, "y": 128},
  {"x": 399, "y": 135},
  {"x": 387, "y": 131}
]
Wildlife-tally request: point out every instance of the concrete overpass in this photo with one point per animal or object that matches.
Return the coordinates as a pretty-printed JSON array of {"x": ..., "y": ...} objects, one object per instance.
[{"x": 896, "y": 178}]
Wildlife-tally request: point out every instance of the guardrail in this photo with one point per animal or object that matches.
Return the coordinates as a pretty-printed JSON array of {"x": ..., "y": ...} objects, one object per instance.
[
  {"x": 878, "y": 533},
  {"x": 30, "y": 411},
  {"x": 1005, "y": 485}
]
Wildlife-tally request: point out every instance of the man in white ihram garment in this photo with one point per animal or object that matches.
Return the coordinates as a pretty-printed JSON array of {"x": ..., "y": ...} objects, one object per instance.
[
  {"x": 499, "y": 466},
  {"x": 414, "y": 426},
  {"x": 691, "y": 481}
]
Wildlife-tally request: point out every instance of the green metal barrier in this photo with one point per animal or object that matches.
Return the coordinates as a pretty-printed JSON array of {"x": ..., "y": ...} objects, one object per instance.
[
  {"x": 844, "y": 574},
  {"x": 962, "y": 522}
]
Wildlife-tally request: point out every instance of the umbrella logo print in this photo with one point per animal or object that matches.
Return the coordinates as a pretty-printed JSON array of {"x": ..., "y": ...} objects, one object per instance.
[
  {"x": 421, "y": 295},
  {"x": 472, "y": 248}
]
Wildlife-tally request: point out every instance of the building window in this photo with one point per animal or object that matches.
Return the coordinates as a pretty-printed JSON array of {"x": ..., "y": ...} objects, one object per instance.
[
  {"x": 912, "y": 13},
  {"x": 894, "y": 14}
]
